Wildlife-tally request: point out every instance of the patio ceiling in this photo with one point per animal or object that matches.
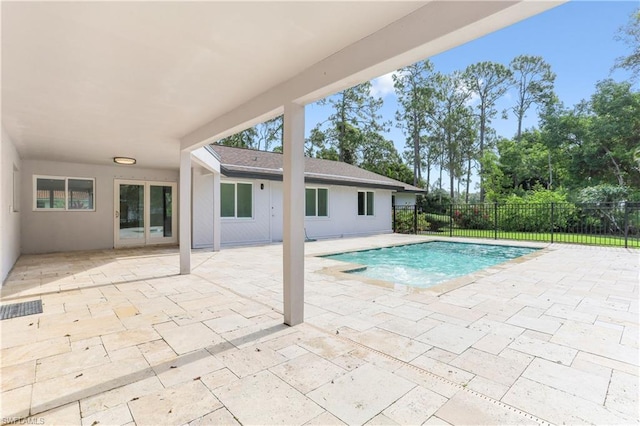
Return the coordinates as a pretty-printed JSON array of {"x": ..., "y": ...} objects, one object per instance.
[{"x": 84, "y": 82}]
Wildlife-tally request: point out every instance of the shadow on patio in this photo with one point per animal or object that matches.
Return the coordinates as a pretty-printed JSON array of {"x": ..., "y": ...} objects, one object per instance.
[{"x": 125, "y": 339}]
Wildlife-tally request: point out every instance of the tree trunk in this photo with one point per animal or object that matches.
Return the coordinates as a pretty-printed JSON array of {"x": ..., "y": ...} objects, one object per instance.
[
  {"x": 466, "y": 196},
  {"x": 519, "y": 134},
  {"x": 618, "y": 172},
  {"x": 428, "y": 184},
  {"x": 482, "y": 130},
  {"x": 417, "y": 173},
  {"x": 451, "y": 165},
  {"x": 341, "y": 130},
  {"x": 416, "y": 159},
  {"x": 440, "y": 182},
  {"x": 520, "y": 114},
  {"x": 550, "y": 184},
  {"x": 451, "y": 182}
]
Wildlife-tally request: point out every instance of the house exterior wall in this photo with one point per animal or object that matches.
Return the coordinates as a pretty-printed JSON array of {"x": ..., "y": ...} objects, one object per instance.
[
  {"x": 52, "y": 231},
  {"x": 11, "y": 213},
  {"x": 343, "y": 220},
  {"x": 253, "y": 230},
  {"x": 202, "y": 209},
  {"x": 405, "y": 199},
  {"x": 266, "y": 224}
]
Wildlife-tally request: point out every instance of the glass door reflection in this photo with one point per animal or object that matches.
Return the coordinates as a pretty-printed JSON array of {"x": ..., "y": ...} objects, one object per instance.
[
  {"x": 161, "y": 211},
  {"x": 132, "y": 212},
  {"x": 144, "y": 213}
]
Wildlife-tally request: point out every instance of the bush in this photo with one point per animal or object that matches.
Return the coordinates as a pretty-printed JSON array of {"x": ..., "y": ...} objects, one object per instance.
[
  {"x": 473, "y": 217},
  {"x": 404, "y": 222},
  {"x": 604, "y": 193},
  {"x": 532, "y": 213},
  {"x": 434, "y": 202},
  {"x": 436, "y": 221}
]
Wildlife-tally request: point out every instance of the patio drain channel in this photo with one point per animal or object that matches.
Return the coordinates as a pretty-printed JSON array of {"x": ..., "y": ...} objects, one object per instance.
[
  {"x": 439, "y": 378},
  {"x": 15, "y": 310}
]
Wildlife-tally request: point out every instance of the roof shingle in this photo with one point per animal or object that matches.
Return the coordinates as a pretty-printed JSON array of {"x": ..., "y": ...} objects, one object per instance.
[{"x": 242, "y": 162}]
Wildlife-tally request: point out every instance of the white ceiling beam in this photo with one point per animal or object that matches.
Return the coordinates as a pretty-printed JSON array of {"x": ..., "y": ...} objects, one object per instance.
[{"x": 435, "y": 27}]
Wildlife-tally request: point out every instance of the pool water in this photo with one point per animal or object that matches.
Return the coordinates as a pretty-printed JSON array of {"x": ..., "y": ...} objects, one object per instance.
[{"x": 426, "y": 264}]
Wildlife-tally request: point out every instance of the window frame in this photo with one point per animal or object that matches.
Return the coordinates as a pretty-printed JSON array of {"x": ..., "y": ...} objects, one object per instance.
[
  {"x": 235, "y": 201},
  {"x": 66, "y": 207},
  {"x": 366, "y": 203},
  {"x": 316, "y": 190}
]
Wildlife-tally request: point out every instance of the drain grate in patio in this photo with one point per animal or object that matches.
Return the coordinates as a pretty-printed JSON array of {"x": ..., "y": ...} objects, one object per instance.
[{"x": 20, "y": 309}]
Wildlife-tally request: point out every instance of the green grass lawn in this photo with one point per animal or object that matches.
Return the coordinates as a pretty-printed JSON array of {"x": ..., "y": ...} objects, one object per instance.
[{"x": 596, "y": 240}]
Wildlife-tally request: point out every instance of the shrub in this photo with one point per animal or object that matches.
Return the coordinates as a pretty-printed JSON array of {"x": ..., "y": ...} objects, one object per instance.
[
  {"x": 436, "y": 221},
  {"x": 604, "y": 193},
  {"x": 404, "y": 222},
  {"x": 532, "y": 213},
  {"x": 473, "y": 217},
  {"x": 434, "y": 202}
]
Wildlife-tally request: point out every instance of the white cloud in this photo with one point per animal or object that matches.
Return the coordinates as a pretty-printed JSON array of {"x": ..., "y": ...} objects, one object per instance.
[
  {"x": 473, "y": 100},
  {"x": 382, "y": 86}
]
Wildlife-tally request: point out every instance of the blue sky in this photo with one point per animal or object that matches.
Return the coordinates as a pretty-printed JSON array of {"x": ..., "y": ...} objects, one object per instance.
[{"x": 576, "y": 39}]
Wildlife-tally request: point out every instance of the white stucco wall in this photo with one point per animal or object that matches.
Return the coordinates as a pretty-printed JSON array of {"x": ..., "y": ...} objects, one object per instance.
[
  {"x": 405, "y": 199},
  {"x": 202, "y": 208},
  {"x": 44, "y": 232},
  {"x": 11, "y": 214},
  {"x": 343, "y": 220},
  {"x": 266, "y": 224},
  {"x": 250, "y": 231}
]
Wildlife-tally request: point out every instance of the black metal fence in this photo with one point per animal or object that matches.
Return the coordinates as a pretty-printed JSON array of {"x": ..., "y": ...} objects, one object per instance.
[{"x": 607, "y": 224}]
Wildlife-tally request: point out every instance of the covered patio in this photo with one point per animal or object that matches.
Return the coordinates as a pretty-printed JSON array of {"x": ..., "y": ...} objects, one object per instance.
[
  {"x": 124, "y": 338},
  {"x": 84, "y": 83}
]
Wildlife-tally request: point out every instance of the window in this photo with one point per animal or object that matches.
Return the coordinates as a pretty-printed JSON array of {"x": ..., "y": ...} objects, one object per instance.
[
  {"x": 236, "y": 200},
  {"x": 365, "y": 203},
  {"x": 63, "y": 193},
  {"x": 316, "y": 202}
]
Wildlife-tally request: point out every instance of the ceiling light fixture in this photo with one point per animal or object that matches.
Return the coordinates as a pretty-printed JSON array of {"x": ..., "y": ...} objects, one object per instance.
[{"x": 124, "y": 160}]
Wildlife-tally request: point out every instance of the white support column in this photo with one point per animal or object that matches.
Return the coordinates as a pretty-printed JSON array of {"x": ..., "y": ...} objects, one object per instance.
[
  {"x": 185, "y": 212},
  {"x": 293, "y": 203},
  {"x": 217, "y": 223}
]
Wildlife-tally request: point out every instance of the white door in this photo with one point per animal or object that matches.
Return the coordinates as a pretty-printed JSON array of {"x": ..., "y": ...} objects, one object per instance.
[
  {"x": 276, "y": 211},
  {"x": 144, "y": 213}
]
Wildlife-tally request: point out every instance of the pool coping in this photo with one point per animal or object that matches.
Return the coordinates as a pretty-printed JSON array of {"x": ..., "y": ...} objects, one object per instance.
[{"x": 342, "y": 272}]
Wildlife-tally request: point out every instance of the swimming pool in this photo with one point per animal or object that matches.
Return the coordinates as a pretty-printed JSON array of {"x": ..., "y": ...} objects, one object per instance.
[{"x": 426, "y": 264}]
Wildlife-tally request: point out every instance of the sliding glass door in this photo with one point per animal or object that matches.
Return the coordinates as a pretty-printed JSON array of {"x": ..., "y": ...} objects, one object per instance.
[{"x": 144, "y": 213}]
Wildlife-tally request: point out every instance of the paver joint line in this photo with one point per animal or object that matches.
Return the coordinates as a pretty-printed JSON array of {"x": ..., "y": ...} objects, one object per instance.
[{"x": 435, "y": 376}]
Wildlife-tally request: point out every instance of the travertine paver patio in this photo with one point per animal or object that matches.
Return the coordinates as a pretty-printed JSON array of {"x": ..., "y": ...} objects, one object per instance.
[{"x": 124, "y": 339}]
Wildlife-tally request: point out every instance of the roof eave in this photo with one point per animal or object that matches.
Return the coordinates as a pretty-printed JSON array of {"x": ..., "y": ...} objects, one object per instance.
[{"x": 277, "y": 176}]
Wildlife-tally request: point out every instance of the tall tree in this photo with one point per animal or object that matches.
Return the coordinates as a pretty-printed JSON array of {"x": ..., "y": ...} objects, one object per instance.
[
  {"x": 354, "y": 110},
  {"x": 451, "y": 119},
  {"x": 379, "y": 155},
  {"x": 615, "y": 128},
  {"x": 413, "y": 88},
  {"x": 534, "y": 85},
  {"x": 488, "y": 81},
  {"x": 243, "y": 139},
  {"x": 269, "y": 133},
  {"x": 630, "y": 34},
  {"x": 262, "y": 136},
  {"x": 594, "y": 141}
]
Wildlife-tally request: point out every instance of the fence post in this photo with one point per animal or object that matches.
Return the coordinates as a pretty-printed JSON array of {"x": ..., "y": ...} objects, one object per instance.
[
  {"x": 552, "y": 219},
  {"x": 495, "y": 220},
  {"x": 395, "y": 227},
  {"x": 450, "y": 220},
  {"x": 415, "y": 219},
  {"x": 626, "y": 225}
]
